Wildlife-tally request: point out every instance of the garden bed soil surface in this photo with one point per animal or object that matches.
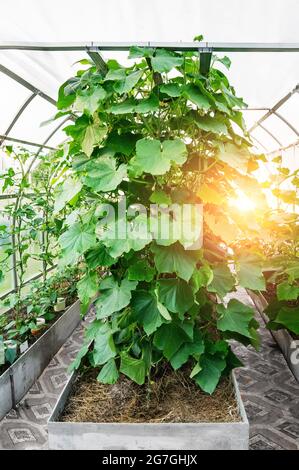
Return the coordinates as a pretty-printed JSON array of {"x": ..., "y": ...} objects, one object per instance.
[{"x": 174, "y": 398}]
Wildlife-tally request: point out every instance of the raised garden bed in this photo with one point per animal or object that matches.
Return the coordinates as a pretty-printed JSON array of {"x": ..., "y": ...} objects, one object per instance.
[
  {"x": 22, "y": 374},
  {"x": 287, "y": 344},
  {"x": 148, "y": 432}
]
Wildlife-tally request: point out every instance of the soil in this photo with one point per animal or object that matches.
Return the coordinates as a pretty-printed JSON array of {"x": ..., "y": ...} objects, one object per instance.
[{"x": 174, "y": 397}]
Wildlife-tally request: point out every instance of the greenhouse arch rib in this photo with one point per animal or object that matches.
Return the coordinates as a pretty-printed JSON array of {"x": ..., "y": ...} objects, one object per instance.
[
  {"x": 270, "y": 134},
  {"x": 93, "y": 48},
  {"x": 4, "y": 137},
  {"x": 35, "y": 92},
  {"x": 273, "y": 111},
  {"x": 26, "y": 84},
  {"x": 16, "y": 117}
]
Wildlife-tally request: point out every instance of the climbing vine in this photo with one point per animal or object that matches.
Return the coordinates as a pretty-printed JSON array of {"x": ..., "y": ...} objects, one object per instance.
[{"x": 158, "y": 132}]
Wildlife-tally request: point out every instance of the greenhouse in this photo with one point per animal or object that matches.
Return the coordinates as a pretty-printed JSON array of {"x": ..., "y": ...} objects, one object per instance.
[{"x": 149, "y": 227}]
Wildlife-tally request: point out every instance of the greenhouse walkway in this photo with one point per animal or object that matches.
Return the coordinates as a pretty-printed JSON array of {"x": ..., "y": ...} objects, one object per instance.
[{"x": 269, "y": 391}]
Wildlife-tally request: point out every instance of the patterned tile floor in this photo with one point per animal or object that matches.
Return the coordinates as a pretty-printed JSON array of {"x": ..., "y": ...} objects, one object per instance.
[{"x": 269, "y": 390}]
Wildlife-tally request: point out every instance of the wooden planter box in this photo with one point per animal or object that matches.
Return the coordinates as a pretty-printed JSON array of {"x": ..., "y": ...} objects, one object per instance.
[
  {"x": 22, "y": 374},
  {"x": 287, "y": 344},
  {"x": 149, "y": 436}
]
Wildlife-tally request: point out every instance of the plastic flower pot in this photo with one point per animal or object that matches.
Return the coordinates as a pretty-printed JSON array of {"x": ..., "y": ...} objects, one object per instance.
[{"x": 60, "y": 304}]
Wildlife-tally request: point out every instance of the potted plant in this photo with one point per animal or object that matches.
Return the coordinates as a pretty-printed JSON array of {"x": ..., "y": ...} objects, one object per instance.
[{"x": 35, "y": 323}]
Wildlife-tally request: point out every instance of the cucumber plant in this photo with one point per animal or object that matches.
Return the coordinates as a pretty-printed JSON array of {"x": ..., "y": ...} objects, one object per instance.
[{"x": 157, "y": 132}]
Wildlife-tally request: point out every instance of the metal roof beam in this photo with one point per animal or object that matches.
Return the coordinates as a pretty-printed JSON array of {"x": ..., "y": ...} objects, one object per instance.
[
  {"x": 286, "y": 122},
  {"x": 98, "y": 61},
  {"x": 259, "y": 143},
  {"x": 275, "y": 108},
  {"x": 252, "y": 109},
  {"x": 19, "y": 113},
  {"x": 176, "y": 46},
  {"x": 24, "y": 142},
  {"x": 26, "y": 84},
  {"x": 286, "y": 147},
  {"x": 44, "y": 145},
  {"x": 270, "y": 134}
]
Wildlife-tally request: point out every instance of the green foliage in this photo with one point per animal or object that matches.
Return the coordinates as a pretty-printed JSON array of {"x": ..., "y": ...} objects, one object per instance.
[
  {"x": 236, "y": 318},
  {"x": 288, "y": 317},
  {"x": 286, "y": 291},
  {"x": 161, "y": 138},
  {"x": 176, "y": 295},
  {"x": 77, "y": 240},
  {"x": 133, "y": 368},
  {"x": 37, "y": 304},
  {"x": 109, "y": 373},
  {"x": 278, "y": 249},
  {"x": 250, "y": 273},
  {"x": 65, "y": 193},
  {"x": 156, "y": 158},
  {"x": 223, "y": 281},
  {"x": 174, "y": 259},
  {"x": 148, "y": 311},
  {"x": 102, "y": 175},
  {"x": 113, "y": 296},
  {"x": 33, "y": 225}
]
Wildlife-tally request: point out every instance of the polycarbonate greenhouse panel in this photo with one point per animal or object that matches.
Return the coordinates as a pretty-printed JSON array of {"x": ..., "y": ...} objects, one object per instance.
[
  {"x": 31, "y": 125},
  {"x": 266, "y": 140},
  {"x": 290, "y": 111},
  {"x": 59, "y": 136},
  {"x": 260, "y": 78},
  {"x": 12, "y": 97},
  {"x": 45, "y": 70},
  {"x": 251, "y": 116},
  {"x": 280, "y": 129},
  {"x": 290, "y": 159}
]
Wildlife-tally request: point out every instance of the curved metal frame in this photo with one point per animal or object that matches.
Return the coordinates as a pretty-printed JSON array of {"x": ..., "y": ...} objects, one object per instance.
[
  {"x": 286, "y": 147},
  {"x": 44, "y": 144},
  {"x": 261, "y": 145},
  {"x": 93, "y": 49},
  {"x": 26, "y": 84},
  {"x": 35, "y": 92},
  {"x": 270, "y": 134},
  {"x": 15, "y": 119},
  {"x": 4, "y": 137},
  {"x": 41, "y": 147},
  {"x": 286, "y": 122},
  {"x": 273, "y": 111}
]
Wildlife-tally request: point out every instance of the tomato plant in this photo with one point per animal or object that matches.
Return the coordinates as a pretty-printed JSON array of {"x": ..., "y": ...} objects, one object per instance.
[
  {"x": 280, "y": 243},
  {"x": 37, "y": 304}
]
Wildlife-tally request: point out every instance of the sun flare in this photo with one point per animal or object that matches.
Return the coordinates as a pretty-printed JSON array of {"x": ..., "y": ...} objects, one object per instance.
[{"x": 242, "y": 202}]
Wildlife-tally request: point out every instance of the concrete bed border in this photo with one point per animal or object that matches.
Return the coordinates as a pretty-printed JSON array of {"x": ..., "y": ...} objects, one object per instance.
[
  {"x": 149, "y": 436},
  {"x": 22, "y": 374},
  {"x": 283, "y": 338}
]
